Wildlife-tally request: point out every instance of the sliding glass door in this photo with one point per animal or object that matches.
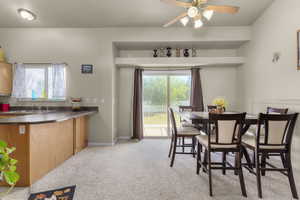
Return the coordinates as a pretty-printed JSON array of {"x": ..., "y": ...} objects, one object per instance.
[{"x": 161, "y": 90}]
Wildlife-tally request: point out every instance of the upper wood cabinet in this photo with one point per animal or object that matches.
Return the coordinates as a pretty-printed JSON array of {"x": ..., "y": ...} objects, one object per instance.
[{"x": 5, "y": 79}]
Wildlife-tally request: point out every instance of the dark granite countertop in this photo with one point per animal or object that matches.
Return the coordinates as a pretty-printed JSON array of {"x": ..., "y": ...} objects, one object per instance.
[{"x": 32, "y": 117}]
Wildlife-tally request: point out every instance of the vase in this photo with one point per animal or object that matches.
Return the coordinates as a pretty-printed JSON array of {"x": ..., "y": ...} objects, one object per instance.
[
  {"x": 169, "y": 51},
  {"x": 178, "y": 52},
  {"x": 220, "y": 109},
  {"x": 155, "y": 53},
  {"x": 194, "y": 52},
  {"x": 186, "y": 53}
]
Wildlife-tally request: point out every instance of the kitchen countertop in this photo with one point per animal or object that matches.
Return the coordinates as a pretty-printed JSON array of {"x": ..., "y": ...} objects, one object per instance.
[{"x": 32, "y": 117}]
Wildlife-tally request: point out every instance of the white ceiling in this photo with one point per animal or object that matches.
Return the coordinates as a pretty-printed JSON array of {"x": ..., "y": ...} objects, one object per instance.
[{"x": 120, "y": 13}]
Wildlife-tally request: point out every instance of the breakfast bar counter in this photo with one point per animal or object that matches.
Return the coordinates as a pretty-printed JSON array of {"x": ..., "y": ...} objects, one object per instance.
[{"x": 43, "y": 139}]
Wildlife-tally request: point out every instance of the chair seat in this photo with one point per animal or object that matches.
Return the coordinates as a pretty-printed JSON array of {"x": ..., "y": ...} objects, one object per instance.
[
  {"x": 250, "y": 141},
  {"x": 186, "y": 124},
  {"x": 203, "y": 139},
  {"x": 187, "y": 131}
]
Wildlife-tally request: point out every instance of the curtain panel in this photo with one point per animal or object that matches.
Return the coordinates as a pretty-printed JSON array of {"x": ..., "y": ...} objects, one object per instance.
[
  {"x": 196, "y": 90},
  {"x": 138, "y": 132}
]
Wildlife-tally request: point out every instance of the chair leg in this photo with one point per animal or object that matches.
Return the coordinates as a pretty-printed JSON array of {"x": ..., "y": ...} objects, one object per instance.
[
  {"x": 193, "y": 146},
  {"x": 198, "y": 157},
  {"x": 241, "y": 176},
  {"x": 247, "y": 157},
  {"x": 205, "y": 160},
  {"x": 224, "y": 163},
  {"x": 174, "y": 151},
  {"x": 209, "y": 174},
  {"x": 183, "y": 143},
  {"x": 263, "y": 163},
  {"x": 291, "y": 176},
  {"x": 258, "y": 175},
  {"x": 171, "y": 146}
]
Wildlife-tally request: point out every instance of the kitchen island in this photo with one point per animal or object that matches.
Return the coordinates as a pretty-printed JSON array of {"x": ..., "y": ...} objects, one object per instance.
[{"x": 43, "y": 140}]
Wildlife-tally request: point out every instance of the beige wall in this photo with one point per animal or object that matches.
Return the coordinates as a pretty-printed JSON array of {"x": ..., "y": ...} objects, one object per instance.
[
  {"x": 263, "y": 80},
  {"x": 264, "y": 83},
  {"x": 95, "y": 46}
]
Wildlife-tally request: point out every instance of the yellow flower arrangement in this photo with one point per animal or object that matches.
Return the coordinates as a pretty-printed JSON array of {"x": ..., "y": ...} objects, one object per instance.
[{"x": 220, "y": 102}]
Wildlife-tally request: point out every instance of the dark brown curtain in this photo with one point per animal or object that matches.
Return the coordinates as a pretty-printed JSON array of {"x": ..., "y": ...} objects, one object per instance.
[
  {"x": 196, "y": 90},
  {"x": 137, "y": 105}
]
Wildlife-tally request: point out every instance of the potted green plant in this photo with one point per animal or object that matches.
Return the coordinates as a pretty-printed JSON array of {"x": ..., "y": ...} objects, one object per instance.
[{"x": 8, "y": 167}]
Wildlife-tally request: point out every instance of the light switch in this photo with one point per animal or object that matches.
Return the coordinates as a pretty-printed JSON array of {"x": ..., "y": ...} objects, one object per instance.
[{"x": 22, "y": 129}]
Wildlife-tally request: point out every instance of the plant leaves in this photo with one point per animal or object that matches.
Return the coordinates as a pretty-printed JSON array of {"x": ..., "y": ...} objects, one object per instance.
[
  {"x": 3, "y": 144},
  {"x": 11, "y": 177},
  {"x": 10, "y": 150},
  {"x": 13, "y": 161}
]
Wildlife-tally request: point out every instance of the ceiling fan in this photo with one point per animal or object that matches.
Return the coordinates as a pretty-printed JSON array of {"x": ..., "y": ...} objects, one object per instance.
[{"x": 198, "y": 10}]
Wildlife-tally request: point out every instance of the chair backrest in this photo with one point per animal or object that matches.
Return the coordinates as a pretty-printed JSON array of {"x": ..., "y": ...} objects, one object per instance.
[
  {"x": 228, "y": 128},
  {"x": 173, "y": 121},
  {"x": 211, "y": 108},
  {"x": 271, "y": 110},
  {"x": 189, "y": 108},
  {"x": 279, "y": 129}
]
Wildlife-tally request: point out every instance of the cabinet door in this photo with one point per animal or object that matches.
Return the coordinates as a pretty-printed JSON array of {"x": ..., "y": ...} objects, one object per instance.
[
  {"x": 80, "y": 134},
  {"x": 5, "y": 78}
]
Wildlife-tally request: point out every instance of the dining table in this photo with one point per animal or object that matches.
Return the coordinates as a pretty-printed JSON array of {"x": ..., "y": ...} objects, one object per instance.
[{"x": 201, "y": 119}]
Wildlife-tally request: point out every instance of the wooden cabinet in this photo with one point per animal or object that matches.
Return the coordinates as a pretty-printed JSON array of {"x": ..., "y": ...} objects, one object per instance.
[
  {"x": 80, "y": 134},
  {"x": 5, "y": 79}
]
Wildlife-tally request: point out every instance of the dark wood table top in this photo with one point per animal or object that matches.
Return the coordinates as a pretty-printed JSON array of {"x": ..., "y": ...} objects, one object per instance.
[{"x": 196, "y": 117}]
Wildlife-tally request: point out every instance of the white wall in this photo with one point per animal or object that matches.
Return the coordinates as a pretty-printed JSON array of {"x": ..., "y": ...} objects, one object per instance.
[
  {"x": 265, "y": 83},
  {"x": 274, "y": 31},
  {"x": 95, "y": 46}
]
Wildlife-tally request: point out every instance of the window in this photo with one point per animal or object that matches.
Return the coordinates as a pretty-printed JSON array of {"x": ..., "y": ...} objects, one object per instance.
[{"x": 40, "y": 82}]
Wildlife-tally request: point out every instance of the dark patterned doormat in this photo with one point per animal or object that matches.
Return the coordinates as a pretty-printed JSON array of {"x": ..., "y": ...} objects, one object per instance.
[{"x": 66, "y": 193}]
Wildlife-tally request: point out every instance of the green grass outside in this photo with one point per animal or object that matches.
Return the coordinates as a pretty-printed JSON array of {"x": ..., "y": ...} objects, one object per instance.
[{"x": 158, "y": 118}]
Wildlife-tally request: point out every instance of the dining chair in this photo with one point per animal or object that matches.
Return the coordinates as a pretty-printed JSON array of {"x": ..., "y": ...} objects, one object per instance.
[
  {"x": 271, "y": 110},
  {"x": 226, "y": 139},
  {"x": 184, "y": 123},
  {"x": 276, "y": 141},
  {"x": 183, "y": 132}
]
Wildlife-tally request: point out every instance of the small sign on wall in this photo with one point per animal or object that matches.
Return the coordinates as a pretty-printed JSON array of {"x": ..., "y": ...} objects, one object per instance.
[{"x": 86, "y": 69}]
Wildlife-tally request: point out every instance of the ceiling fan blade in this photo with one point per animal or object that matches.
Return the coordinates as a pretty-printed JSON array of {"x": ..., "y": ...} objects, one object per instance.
[
  {"x": 223, "y": 9},
  {"x": 178, "y": 3},
  {"x": 176, "y": 19}
]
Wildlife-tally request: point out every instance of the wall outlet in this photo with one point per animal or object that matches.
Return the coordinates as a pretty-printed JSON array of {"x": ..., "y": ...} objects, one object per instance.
[{"x": 22, "y": 130}]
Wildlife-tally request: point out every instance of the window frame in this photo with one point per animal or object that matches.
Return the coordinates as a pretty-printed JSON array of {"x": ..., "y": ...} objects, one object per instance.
[{"x": 46, "y": 74}]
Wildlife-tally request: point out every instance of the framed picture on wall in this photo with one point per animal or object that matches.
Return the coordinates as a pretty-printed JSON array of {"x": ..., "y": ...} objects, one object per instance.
[
  {"x": 298, "y": 49},
  {"x": 86, "y": 69}
]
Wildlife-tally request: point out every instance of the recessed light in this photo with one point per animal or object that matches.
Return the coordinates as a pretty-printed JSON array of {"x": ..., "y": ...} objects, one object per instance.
[{"x": 26, "y": 14}]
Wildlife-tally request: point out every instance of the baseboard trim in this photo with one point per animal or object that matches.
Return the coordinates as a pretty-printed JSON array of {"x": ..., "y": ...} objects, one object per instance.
[
  {"x": 124, "y": 138},
  {"x": 96, "y": 144}
]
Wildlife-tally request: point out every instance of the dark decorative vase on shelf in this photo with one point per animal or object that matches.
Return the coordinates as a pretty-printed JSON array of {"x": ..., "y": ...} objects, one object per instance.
[
  {"x": 186, "y": 53},
  {"x": 178, "y": 52},
  {"x": 155, "y": 53},
  {"x": 169, "y": 51}
]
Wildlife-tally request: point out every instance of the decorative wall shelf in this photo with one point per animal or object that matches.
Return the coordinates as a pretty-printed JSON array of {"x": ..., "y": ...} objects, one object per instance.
[{"x": 178, "y": 62}]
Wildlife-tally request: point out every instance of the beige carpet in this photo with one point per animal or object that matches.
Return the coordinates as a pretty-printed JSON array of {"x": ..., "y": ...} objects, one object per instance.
[{"x": 140, "y": 171}]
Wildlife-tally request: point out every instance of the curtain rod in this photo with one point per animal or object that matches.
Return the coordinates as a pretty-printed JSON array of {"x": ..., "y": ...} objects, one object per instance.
[
  {"x": 168, "y": 69},
  {"x": 41, "y": 63}
]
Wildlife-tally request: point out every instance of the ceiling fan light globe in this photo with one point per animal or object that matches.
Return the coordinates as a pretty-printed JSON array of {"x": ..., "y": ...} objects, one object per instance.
[
  {"x": 198, "y": 24},
  {"x": 208, "y": 14},
  {"x": 193, "y": 12},
  {"x": 185, "y": 21},
  {"x": 26, "y": 14}
]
